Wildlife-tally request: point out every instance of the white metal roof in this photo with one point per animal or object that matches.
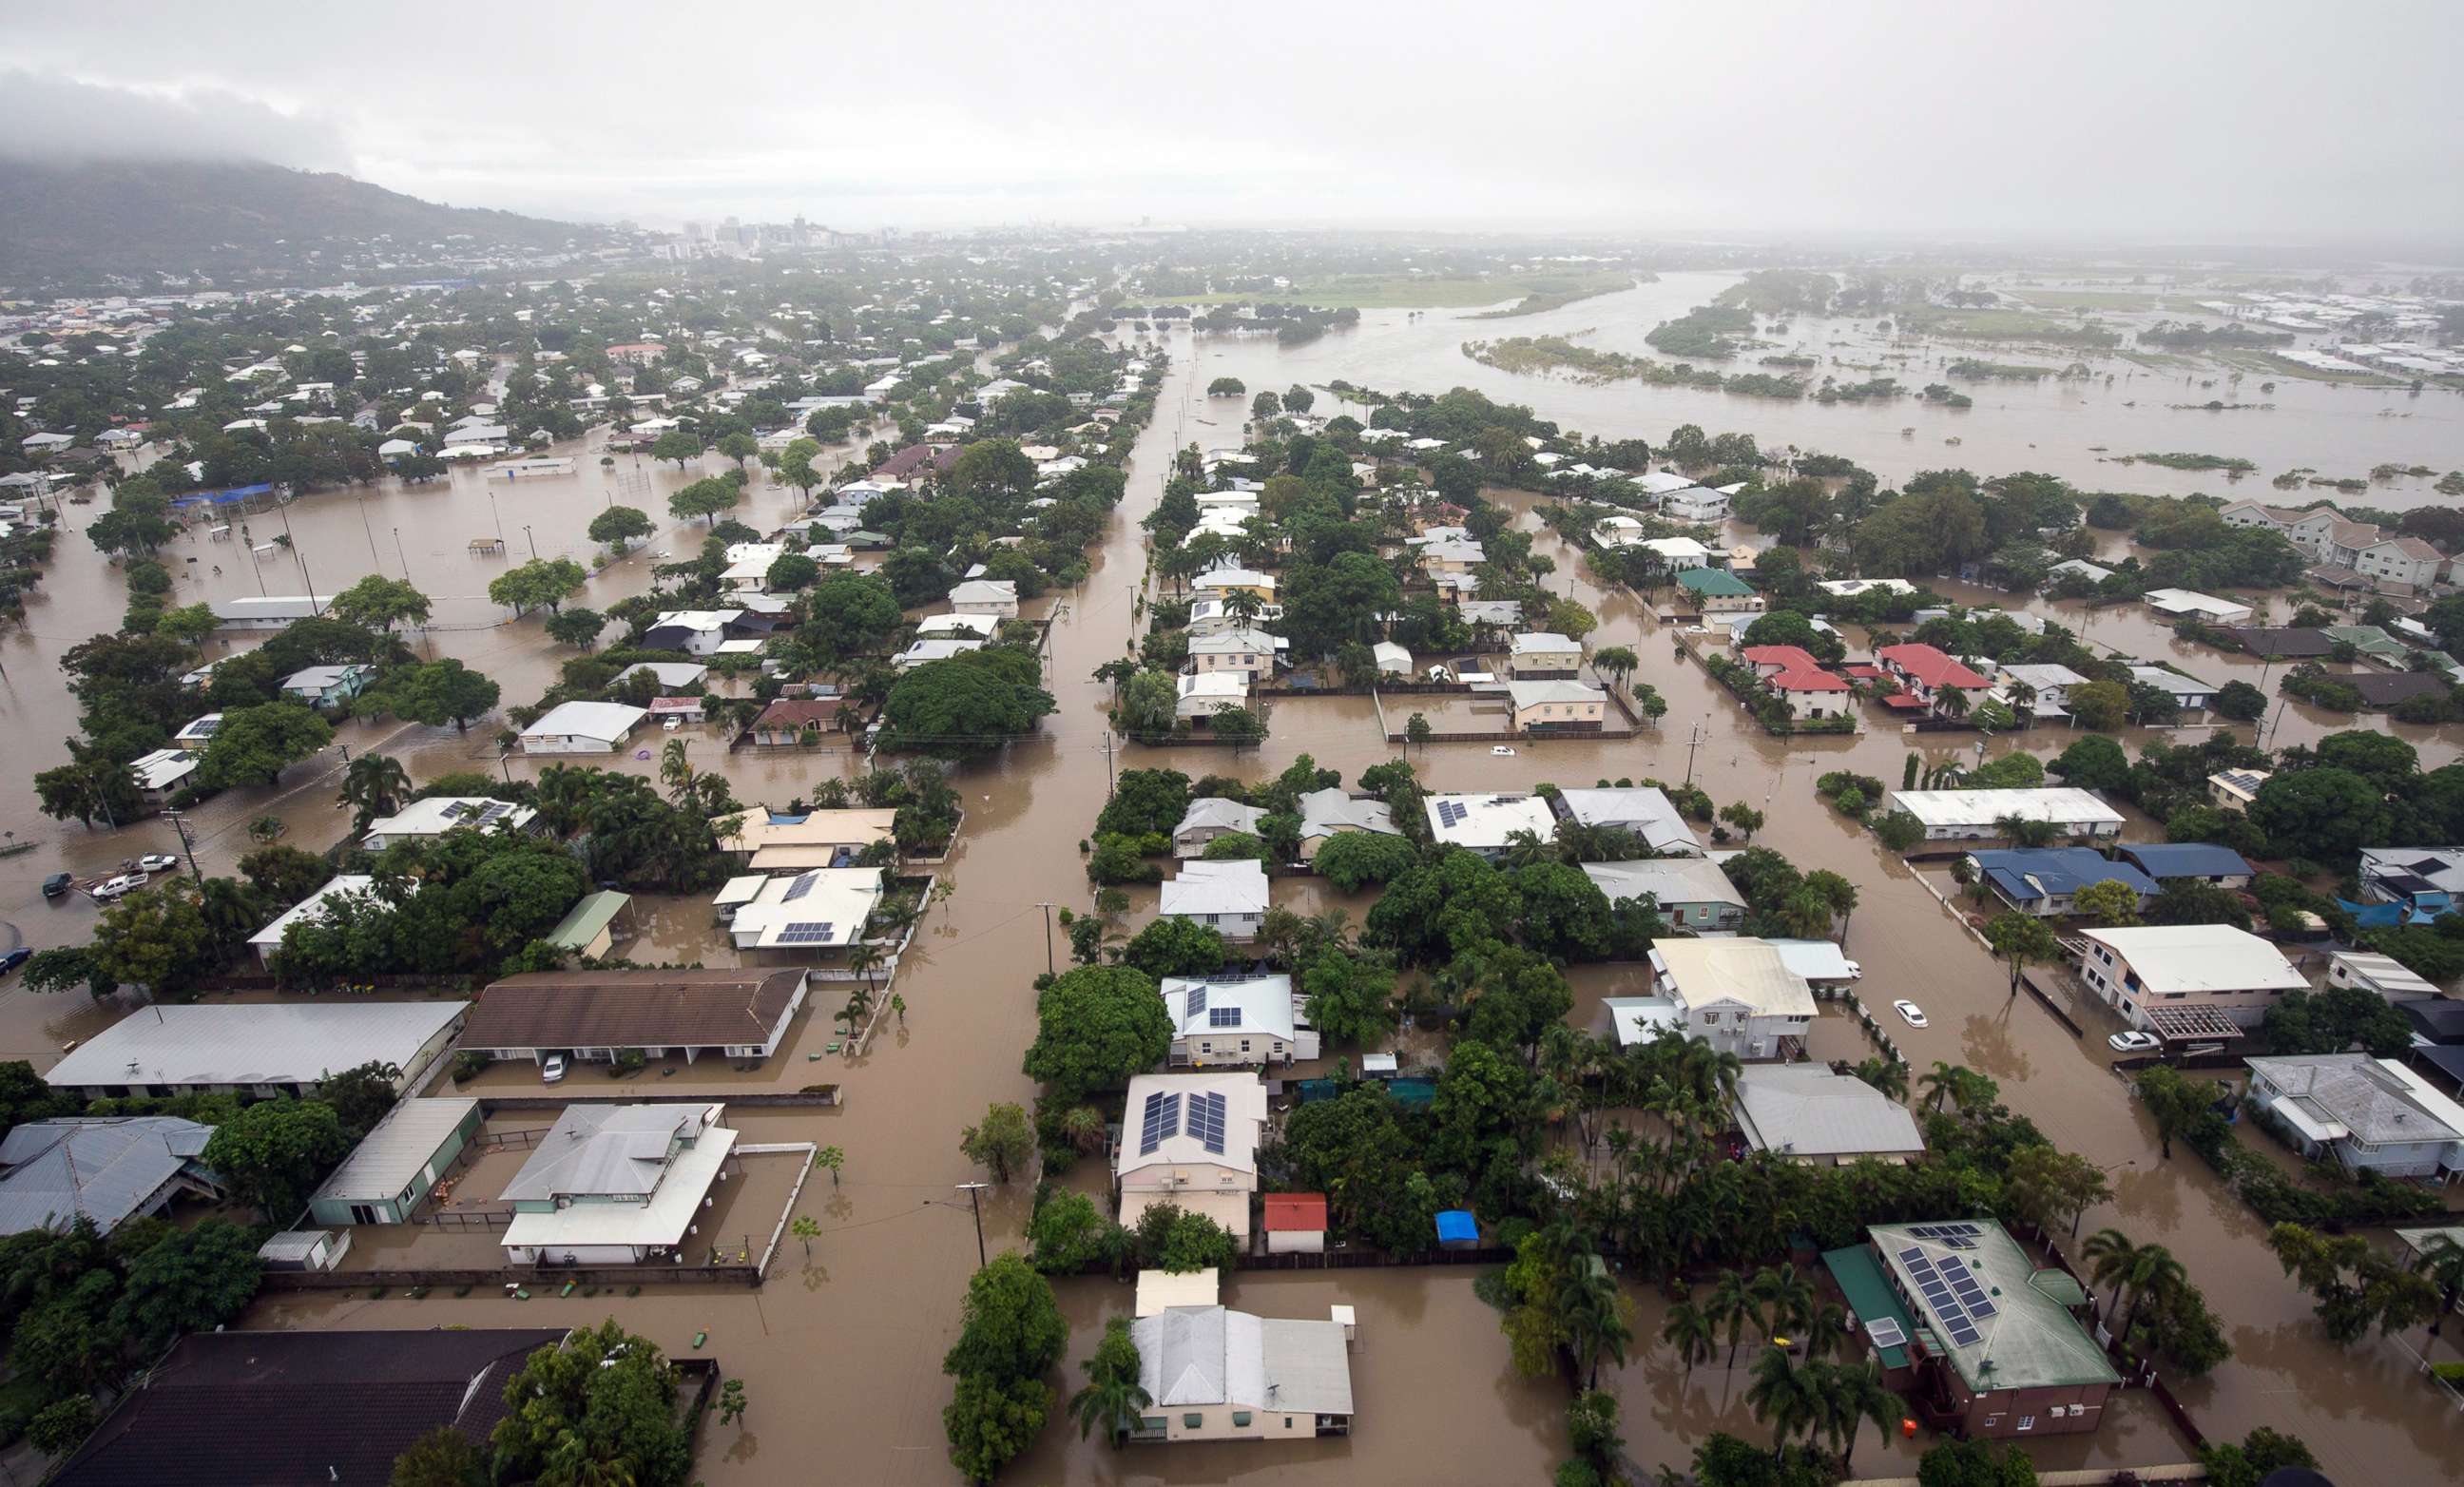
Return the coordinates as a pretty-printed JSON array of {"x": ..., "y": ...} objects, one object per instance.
[
  {"x": 391, "y": 1157},
  {"x": 2057, "y": 804},
  {"x": 437, "y": 815},
  {"x": 1647, "y": 813},
  {"x": 252, "y": 1042},
  {"x": 609, "y": 720},
  {"x": 1741, "y": 969},
  {"x": 1487, "y": 820},
  {"x": 1244, "y": 1099},
  {"x": 1237, "y": 887},
  {"x": 1669, "y": 880},
  {"x": 1232, "y": 1006},
  {"x": 2170, "y": 958},
  {"x": 311, "y": 908},
  {"x": 1805, "y": 1110}
]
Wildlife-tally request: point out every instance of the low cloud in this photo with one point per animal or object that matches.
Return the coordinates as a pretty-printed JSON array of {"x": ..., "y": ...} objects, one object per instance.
[{"x": 64, "y": 121}]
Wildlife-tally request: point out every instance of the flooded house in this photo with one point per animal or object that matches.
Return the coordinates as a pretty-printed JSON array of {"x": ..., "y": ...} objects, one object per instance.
[
  {"x": 1807, "y": 1112},
  {"x": 259, "y": 1049},
  {"x": 1543, "y": 655},
  {"x": 599, "y": 1015},
  {"x": 615, "y": 1184},
  {"x": 1980, "y": 1339},
  {"x": 1191, "y": 1140},
  {"x": 1215, "y": 1374},
  {"x": 802, "y": 914},
  {"x": 302, "y": 1406},
  {"x": 584, "y": 729},
  {"x": 1643, "y": 811},
  {"x": 1736, "y": 994},
  {"x": 1693, "y": 894},
  {"x": 1970, "y": 815},
  {"x": 991, "y": 598},
  {"x": 106, "y": 1170},
  {"x": 266, "y": 942},
  {"x": 1226, "y": 897},
  {"x": 432, "y": 816},
  {"x": 1798, "y": 680},
  {"x": 1236, "y": 1020},
  {"x": 1542, "y": 708},
  {"x": 2045, "y": 881},
  {"x": 2368, "y": 1115},
  {"x": 2153, "y": 974},
  {"x": 1331, "y": 811},
  {"x": 396, "y": 1166},
  {"x": 1485, "y": 823},
  {"x": 1212, "y": 817}
]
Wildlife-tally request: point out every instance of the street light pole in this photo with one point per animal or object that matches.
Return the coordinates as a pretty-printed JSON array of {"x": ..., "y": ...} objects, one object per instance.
[
  {"x": 533, "y": 541},
  {"x": 401, "y": 555},
  {"x": 975, "y": 1201},
  {"x": 1047, "y": 936}
]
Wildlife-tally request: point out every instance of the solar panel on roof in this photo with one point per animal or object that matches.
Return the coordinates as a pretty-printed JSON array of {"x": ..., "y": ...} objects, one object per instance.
[
  {"x": 1197, "y": 999},
  {"x": 1206, "y": 1121},
  {"x": 1223, "y": 1017},
  {"x": 1983, "y": 1306},
  {"x": 1162, "y": 1123},
  {"x": 804, "y": 931},
  {"x": 1964, "y": 1334},
  {"x": 798, "y": 889},
  {"x": 1886, "y": 1333},
  {"x": 1910, "y": 1256}
]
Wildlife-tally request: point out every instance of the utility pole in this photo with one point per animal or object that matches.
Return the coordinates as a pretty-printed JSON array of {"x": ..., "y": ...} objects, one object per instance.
[
  {"x": 180, "y": 823},
  {"x": 975, "y": 1201},
  {"x": 1108, "y": 763},
  {"x": 1047, "y": 936},
  {"x": 1692, "y": 743},
  {"x": 533, "y": 541},
  {"x": 402, "y": 555}
]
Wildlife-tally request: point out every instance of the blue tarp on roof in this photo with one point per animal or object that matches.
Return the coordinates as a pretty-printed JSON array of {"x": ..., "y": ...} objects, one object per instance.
[
  {"x": 1457, "y": 1226},
  {"x": 2025, "y": 874},
  {"x": 2187, "y": 859},
  {"x": 2380, "y": 915},
  {"x": 223, "y": 498}
]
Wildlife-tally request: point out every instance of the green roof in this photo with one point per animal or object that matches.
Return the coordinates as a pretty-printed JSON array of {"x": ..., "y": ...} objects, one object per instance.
[
  {"x": 593, "y": 913},
  {"x": 2031, "y": 1341},
  {"x": 1716, "y": 583},
  {"x": 2368, "y": 639},
  {"x": 1870, "y": 1297}
]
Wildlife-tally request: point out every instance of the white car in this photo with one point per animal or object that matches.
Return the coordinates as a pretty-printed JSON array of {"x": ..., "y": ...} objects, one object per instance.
[
  {"x": 1909, "y": 1012},
  {"x": 111, "y": 888},
  {"x": 158, "y": 862},
  {"x": 554, "y": 1069},
  {"x": 1503, "y": 750},
  {"x": 1855, "y": 972},
  {"x": 2133, "y": 1042},
  {"x": 671, "y": 724}
]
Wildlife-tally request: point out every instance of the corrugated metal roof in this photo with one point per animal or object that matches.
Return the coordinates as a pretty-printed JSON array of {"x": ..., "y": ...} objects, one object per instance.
[
  {"x": 390, "y": 1159},
  {"x": 101, "y": 1167},
  {"x": 252, "y": 1043}
]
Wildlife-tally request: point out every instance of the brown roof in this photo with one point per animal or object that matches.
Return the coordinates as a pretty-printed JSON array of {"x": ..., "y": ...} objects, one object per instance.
[
  {"x": 795, "y": 712},
  {"x": 302, "y": 1408},
  {"x": 2285, "y": 641},
  {"x": 630, "y": 1009}
]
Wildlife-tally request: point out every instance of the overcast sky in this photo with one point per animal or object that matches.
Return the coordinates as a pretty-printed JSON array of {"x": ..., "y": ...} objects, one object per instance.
[{"x": 2253, "y": 120}]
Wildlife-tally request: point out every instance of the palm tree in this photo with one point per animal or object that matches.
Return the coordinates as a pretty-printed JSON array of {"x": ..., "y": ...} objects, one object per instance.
[
  {"x": 2110, "y": 1256},
  {"x": 675, "y": 770},
  {"x": 374, "y": 785},
  {"x": 1825, "y": 1330},
  {"x": 1785, "y": 1296},
  {"x": 863, "y": 958},
  {"x": 1850, "y": 1395},
  {"x": 1950, "y": 702},
  {"x": 1941, "y": 1084},
  {"x": 1595, "y": 1319},
  {"x": 1782, "y": 1397},
  {"x": 2153, "y": 1272},
  {"x": 1113, "y": 1397},
  {"x": 1730, "y": 1307},
  {"x": 1691, "y": 1331},
  {"x": 1887, "y": 1076}
]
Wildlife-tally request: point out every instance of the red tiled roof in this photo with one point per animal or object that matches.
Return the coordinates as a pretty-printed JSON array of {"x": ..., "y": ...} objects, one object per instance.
[
  {"x": 1930, "y": 666},
  {"x": 1295, "y": 1212},
  {"x": 1863, "y": 672},
  {"x": 1906, "y": 702},
  {"x": 797, "y": 712},
  {"x": 907, "y": 461},
  {"x": 1798, "y": 669}
]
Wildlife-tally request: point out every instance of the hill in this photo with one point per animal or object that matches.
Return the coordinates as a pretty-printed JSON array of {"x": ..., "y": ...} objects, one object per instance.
[{"x": 239, "y": 222}]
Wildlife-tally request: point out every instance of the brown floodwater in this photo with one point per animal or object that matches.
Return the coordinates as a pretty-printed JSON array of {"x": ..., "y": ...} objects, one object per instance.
[{"x": 840, "y": 1349}]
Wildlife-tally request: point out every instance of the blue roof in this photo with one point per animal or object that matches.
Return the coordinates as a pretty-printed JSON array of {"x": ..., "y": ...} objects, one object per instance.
[
  {"x": 2026, "y": 874},
  {"x": 2187, "y": 859},
  {"x": 1457, "y": 1223}
]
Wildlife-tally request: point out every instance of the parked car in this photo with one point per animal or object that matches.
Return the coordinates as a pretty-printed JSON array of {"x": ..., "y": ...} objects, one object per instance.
[
  {"x": 59, "y": 884},
  {"x": 158, "y": 862},
  {"x": 15, "y": 959},
  {"x": 1855, "y": 972},
  {"x": 1503, "y": 750},
  {"x": 1909, "y": 1011},
  {"x": 2134, "y": 1042},
  {"x": 111, "y": 888},
  {"x": 671, "y": 724},
  {"x": 554, "y": 1069}
]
